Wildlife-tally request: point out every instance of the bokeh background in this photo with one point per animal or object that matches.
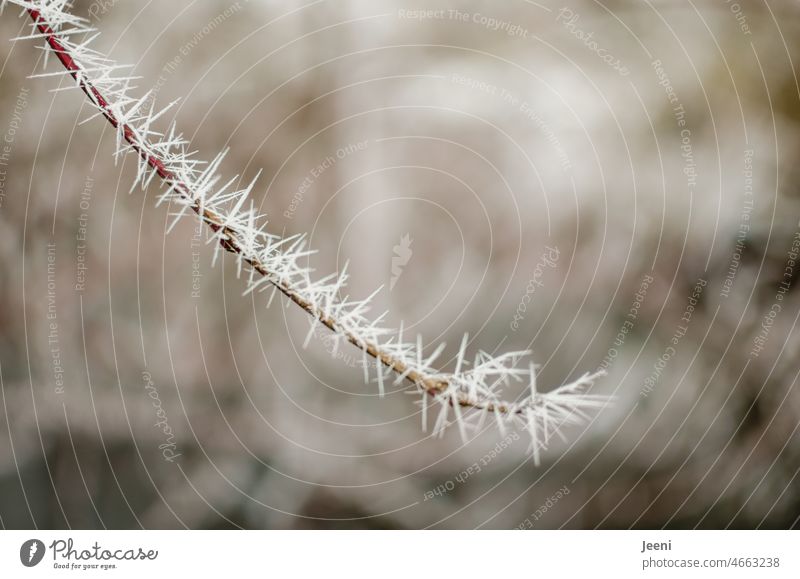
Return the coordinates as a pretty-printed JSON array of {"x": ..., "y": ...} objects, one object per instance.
[{"x": 627, "y": 171}]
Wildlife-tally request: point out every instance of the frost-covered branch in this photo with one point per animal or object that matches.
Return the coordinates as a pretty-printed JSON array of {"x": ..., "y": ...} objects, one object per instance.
[{"x": 464, "y": 397}]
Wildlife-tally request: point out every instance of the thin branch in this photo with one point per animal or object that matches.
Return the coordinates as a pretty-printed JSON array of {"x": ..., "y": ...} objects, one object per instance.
[{"x": 270, "y": 260}]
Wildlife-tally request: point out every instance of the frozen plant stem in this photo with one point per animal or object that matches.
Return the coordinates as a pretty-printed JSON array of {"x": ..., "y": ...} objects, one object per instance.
[{"x": 470, "y": 393}]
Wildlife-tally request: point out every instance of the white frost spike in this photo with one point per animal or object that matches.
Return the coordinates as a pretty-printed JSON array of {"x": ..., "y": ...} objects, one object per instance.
[
  {"x": 379, "y": 369},
  {"x": 424, "y": 412},
  {"x": 193, "y": 187}
]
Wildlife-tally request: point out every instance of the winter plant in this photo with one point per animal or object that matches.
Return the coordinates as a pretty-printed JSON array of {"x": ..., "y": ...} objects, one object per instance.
[{"x": 464, "y": 397}]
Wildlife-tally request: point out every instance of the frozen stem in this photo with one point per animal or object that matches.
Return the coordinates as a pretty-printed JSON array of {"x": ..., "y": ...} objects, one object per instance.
[{"x": 464, "y": 397}]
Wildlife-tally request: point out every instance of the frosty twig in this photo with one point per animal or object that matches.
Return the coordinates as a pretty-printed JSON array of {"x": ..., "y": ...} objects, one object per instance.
[{"x": 465, "y": 396}]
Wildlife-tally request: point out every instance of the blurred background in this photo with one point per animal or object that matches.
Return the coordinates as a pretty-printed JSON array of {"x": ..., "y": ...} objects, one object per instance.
[{"x": 609, "y": 184}]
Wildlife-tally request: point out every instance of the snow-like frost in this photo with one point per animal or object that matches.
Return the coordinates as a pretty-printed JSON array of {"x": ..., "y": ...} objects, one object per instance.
[{"x": 464, "y": 397}]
